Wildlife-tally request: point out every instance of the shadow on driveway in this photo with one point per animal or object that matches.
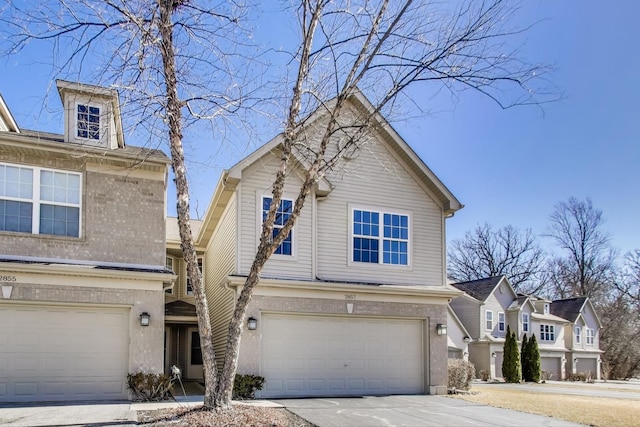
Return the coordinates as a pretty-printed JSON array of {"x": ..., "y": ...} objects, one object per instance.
[{"x": 410, "y": 411}]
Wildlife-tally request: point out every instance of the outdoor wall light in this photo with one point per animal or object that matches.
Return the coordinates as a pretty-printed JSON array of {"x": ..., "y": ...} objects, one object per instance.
[
  {"x": 493, "y": 354},
  {"x": 466, "y": 339},
  {"x": 145, "y": 318},
  {"x": 441, "y": 329},
  {"x": 252, "y": 323},
  {"x": 575, "y": 360}
]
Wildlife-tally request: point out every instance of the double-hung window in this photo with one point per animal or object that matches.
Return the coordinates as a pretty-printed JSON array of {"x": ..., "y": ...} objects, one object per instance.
[
  {"x": 577, "y": 333},
  {"x": 380, "y": 237},
  {"x": 39, "y": 201},
  {"x": 501, "y": 322},
  {"x": 488, "y": 320},
  {"x": 591, "y": 336},
  {"x": 189, "y": 290},
  {"x": 525, "y": 322},
  {"x": 168, "y": 264},
  {"x": 283, "y": 213},
  {"x": 88, "y": 122},
  {"x": 547, "y": 333}
]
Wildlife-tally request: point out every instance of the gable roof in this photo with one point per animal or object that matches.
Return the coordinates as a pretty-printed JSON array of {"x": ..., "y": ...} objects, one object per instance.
[
  {"x": 479, "y": 289},
  {"x": 569, "y": 308}
]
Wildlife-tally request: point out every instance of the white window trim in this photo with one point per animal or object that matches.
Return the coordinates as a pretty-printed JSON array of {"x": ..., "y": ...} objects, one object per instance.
[
  {"x": 545, "y": 308},
  {"x": 37, "y": 202},
  {"x": 294, "y": 241},
  {"x": 381, "y": 211},
  {"x": 173, "y": 269},
  {"x": 526, "y": 322},
  {"x": 552, "y": 331},
  {"x": 186, "y": 283},
  {"x": 503, "y": 323},
  {"x": 101, "y": 123},
  {"x": 590, "y": 336},
  {"x": 486, "y": 319},
  {"x": 577, "y": 334}
]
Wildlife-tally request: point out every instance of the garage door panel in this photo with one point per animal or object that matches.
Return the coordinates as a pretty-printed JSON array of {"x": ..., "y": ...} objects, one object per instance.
[
  {"x": 63, "y": 353},
  {"x": 314, "y": 355}
]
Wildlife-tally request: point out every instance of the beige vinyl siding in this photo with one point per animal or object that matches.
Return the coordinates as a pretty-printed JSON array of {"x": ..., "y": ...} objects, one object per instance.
[
  {"x": 469, "y": 314},
  {"x": 257, "y": 181},
  {"x": 376, "y": 180},
  {"x": 220, "y": 261},
  {"x": 592, "y": 323},
  {"x": 494, "y": 305}
]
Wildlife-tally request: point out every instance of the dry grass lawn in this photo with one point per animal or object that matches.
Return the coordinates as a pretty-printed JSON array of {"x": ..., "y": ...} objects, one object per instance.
[{"x": 594, "y": 411}]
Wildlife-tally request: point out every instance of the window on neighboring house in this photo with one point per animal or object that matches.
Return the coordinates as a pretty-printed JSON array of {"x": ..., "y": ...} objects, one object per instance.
[
  {"x": 88, "y": 122},
  {"x": 380, "y": 237},
  {"x": 189, "y": 290},
  {"x": 501, "y": 322},
  {"x": 488, "y": 320},
  {"x": 168, "y": 263},
  {"x": 525, "y": 322},
  {"x": 591, "y": 336},
  {"x": 547, "y": 333},
  {"x": 39, "y": 201},
  {"x": 546, "y": 309},
  {"x": 577, "y": 333},
  {"x": 283, "y": 213}
]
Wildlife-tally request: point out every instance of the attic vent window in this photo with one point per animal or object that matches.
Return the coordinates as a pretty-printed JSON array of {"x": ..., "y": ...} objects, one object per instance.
[{"x": 88, "y": 122}]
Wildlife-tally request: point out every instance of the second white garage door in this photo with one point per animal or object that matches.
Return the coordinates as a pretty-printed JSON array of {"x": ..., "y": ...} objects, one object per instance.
[
  {"x": 341, "y": 356},
  {"x": 53, "y": 353}
]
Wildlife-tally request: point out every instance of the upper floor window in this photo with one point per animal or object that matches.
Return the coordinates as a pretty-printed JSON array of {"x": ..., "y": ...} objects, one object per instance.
[
  {"x": 488, "y": 320},
  {"x": 546, "y": 309},
  {"x": 88, "y": 122},
  {"x": 39, "y": 201},
  {"x": 380, "y": 237},
  {"x": 591, "y": 336},
  {"x": 189, "y": 290},
  {"x": 547, "y": 333},
  {"x": 501, "y": 322},
  {"x": 577, "y": 333},
  {"x": 283, "y": 213},
  {"x": 525, "y": 322},
  {"x": 168, "y": 264}
]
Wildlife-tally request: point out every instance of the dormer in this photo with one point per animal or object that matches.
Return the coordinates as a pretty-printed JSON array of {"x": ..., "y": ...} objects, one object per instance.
[{"x": 91, "y": 115}]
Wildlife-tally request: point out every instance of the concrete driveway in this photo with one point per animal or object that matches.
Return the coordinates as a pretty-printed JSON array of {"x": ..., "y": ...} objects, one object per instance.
[
  {"x": 97, "y": 414},
  {"x": 410, "y": 411}
]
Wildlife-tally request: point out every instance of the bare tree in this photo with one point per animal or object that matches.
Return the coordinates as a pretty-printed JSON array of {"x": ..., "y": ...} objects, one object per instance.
[
  {"x": 629, "y": 282},
  {"x": 379, "y": 48},
  {"x": 485, "y": 252},
  {"x": 588, "y": 261}
]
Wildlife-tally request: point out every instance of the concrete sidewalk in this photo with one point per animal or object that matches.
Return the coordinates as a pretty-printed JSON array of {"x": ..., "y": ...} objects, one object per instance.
[{"x": 90, "y": 414}]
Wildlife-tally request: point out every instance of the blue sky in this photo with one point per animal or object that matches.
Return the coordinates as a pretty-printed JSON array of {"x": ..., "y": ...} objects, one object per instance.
[{"x": 506, "y": 166}]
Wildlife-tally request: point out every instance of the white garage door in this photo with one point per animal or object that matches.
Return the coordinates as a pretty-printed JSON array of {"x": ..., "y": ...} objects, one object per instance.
[
  {"x": 334, "y": 356},
  {"x": 551, "y": 366},
  {"x": 56, "y": 353}
]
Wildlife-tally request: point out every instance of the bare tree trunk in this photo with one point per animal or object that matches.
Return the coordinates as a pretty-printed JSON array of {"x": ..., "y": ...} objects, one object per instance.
[{"x": 174, "y": 118}]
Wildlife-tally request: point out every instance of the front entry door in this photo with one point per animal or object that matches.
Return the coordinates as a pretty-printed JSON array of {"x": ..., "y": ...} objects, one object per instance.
[{"x": 194, "y": 355}]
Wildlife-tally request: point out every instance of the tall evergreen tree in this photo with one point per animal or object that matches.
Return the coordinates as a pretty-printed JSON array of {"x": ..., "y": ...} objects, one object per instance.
[
  {"x": 511, "y": 358},
  {"x": 533, "y": 358},
  {"x": 524, "y": 359}
]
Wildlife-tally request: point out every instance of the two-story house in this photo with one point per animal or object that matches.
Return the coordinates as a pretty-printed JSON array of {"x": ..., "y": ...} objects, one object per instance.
[
  {"x": 82, "y": 251},
  {"x": 581, "y": 335},
  {"x": 354, "y": 301},
  {"x": 489, "y": 305}
]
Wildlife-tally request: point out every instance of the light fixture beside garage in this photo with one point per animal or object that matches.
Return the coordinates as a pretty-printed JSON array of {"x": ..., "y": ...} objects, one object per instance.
[
  {"x": 441, "y": 329},
  {"x": 145, "y": 318},
  {"x": 252, "y": 323}
]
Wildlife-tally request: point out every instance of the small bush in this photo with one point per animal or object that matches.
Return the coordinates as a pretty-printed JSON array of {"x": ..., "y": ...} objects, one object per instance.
[
  {"x": 485, "y": 374},
  {"x": 245, "y": 386},
  {"x": 546, "y": 376},
  {"x": 460, "y": 374},
  {"x": 580, "y": 376},
  {"x": 149, "y": 387}
]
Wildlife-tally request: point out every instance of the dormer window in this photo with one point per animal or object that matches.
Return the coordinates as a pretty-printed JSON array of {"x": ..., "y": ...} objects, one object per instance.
[
  {"x": 546, "y": 309},
  {"x": 88, "y": 122}
]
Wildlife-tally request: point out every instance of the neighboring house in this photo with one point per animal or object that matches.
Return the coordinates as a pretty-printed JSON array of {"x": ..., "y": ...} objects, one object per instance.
[
  {"x": 352, "y": 301},
  {"x": 82, "y": 250},
  {"x": 581, "y": 335},
  {"x": 490, "y": 305},
  {"x": 458, "y": 338}
]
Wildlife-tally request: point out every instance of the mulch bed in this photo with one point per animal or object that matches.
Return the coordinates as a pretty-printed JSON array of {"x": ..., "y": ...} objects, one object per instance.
[{"x": 237, "y": 416}]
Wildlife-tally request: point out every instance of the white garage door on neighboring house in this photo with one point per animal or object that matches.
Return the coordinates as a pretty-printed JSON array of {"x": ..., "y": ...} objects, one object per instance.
[
  {"x": 55, "y": 353},
  {"x": 338, "y": 356}
]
